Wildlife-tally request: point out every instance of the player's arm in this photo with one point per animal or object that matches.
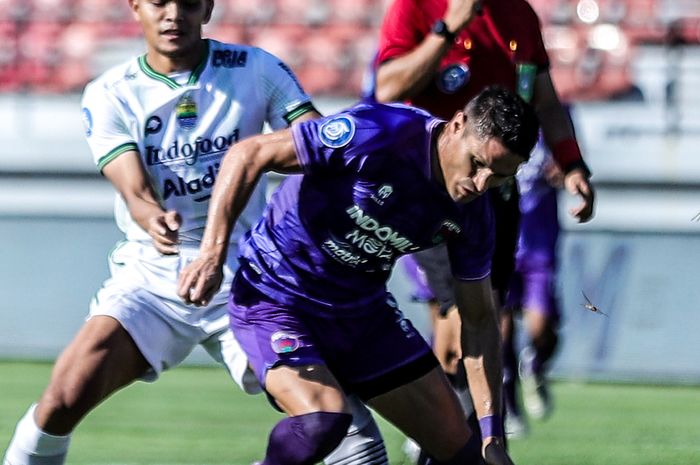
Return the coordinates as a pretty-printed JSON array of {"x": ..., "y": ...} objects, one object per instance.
[
  {"x": 127, "y": 175},
  {"x": 404, "y": 76},
  {"x": 560, "y": 138},
  {"x": 481, "y": 349},
  {"x": 240, "y": 171}
]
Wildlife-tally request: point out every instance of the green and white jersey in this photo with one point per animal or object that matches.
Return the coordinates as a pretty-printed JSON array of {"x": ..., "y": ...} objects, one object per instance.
[{"x": 183, "y": 124}]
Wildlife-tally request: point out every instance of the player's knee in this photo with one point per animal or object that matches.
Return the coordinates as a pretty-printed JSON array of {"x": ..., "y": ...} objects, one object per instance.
[{"x": 306, "y": 439}]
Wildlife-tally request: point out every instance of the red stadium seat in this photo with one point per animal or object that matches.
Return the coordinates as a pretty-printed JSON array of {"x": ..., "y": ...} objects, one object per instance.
[
  {"x": 52, "y": 10},
  {"x": 231, "y": 33},
  {"x": 283, "y": 42},
  {"x": 248, "y": 11}
]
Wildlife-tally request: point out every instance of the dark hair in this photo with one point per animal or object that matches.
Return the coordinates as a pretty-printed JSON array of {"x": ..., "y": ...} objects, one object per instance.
[{"x": 498, "y": 112}]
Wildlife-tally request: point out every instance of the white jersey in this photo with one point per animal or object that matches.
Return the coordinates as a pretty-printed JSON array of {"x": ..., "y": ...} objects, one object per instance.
[{"x": 182, "y": 125}]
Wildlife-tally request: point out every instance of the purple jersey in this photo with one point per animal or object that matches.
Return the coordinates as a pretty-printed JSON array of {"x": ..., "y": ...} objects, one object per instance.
[{"x": 329, "y": 238}]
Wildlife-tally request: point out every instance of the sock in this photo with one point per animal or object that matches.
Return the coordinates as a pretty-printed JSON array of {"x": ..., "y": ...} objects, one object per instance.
[
  {"x": 306, "y": 439},
  {"x": 32, "y": 446},
  {"x": 363, "y": 445}
]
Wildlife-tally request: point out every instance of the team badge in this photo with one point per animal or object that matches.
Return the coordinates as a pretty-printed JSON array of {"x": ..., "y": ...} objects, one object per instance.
[
  {"x": 284, "y": 343},
  {"x": 186, "y": 112},
  {"x": 153, "y": 125},
  {"x": 453, "y": 78},
  {"x": 87, "y": 121},
  {"x": 337, "y": 132}
]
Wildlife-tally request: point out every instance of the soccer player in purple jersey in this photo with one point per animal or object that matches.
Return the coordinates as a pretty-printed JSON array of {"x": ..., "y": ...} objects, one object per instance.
[{"x": 309, "y": 303}]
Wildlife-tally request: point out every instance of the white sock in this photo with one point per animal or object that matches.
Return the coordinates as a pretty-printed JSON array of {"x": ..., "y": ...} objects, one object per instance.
[{"x": 32, "y": 446}]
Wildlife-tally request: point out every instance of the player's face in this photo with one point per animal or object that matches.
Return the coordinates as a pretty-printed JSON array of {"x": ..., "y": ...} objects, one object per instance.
[
  {"x": 172, "y": 28},
  {"x": 471, "y": 165}
]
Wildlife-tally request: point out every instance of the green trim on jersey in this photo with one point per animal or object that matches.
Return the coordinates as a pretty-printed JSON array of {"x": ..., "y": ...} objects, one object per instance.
[
  {"x": 194, "y": 77},
  {"x": 298, "y": 111},
  {"x": 114, "y": 153}
]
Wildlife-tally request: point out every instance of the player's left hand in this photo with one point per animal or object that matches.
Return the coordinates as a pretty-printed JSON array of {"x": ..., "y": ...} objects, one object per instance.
[
  {"x": 494, "y": 452},
  {"x": 200, "y": 280},
  {"x": 577, "y": 183}
]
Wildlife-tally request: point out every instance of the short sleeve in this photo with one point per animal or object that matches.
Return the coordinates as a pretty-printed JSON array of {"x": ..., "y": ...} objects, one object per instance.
[
  {"x": 471, "y": 251},
  {"x": 355, "y": 140},
  {"x": 286, "y": 99},
  {"x": 399, "y": 33},
  {"x": 106, "y": 132}
]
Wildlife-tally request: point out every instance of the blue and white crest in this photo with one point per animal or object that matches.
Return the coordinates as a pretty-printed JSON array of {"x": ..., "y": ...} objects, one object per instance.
[
  {"x": 337, "y": 132},
  {"x": 87, "y": 121},
  {"x": 453, "y": 78}
]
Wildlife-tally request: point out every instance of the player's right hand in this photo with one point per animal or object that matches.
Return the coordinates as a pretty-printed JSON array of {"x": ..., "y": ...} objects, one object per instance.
[
  {"x": 200, "y": 280},
  {"x": 164, "y": 229},
  {"x": 495, "y": 452},
  {"x": 460, "y": 12}
]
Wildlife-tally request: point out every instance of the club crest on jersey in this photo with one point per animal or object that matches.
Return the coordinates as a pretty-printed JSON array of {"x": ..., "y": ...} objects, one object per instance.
[
  {"x": 337, "y": 132},
  {"x": 284, "y": 343},
  {"x": 453, "y": 77},
  {"x": 186, "y": 112},
  {"x": 153, "y": 125},
  {"x": 87, "y": 121}
]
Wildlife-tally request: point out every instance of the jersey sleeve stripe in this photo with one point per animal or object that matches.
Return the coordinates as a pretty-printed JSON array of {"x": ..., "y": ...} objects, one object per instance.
[
  {"x": 298, "y": 111},
  {"x": 114, "y": 153}
]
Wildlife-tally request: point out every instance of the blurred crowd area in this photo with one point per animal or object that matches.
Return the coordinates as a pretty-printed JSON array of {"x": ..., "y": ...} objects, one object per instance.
[{"x": 56, "y": 46}]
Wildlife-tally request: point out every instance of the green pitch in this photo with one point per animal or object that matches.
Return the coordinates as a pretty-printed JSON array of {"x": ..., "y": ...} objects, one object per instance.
[{"x": 196, "y": 416}]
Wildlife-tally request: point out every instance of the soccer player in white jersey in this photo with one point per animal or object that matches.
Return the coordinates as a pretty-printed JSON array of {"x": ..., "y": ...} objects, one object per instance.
[{"x": 158, "y": 127}]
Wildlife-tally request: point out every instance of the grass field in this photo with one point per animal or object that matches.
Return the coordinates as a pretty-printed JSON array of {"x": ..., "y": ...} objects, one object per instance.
[{"x": 196, "y": 416}]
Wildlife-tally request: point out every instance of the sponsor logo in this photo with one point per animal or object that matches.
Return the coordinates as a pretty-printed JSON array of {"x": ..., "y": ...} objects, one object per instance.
[
  {"x": 178, "y": 187},
  {"x": 383, "y": 193},
  {"x": 229, "y": 58},
  {"x": 447, "y": 228},
  {"x": 189, "y": 152},
  {"x": 186, "y": 112},
  {"x": 284, "y": 343},
  {"x": 369, "y": 228},
  {"x": 153, "y": 125},
  {"x": 453, "y": 77},
  {"x": 343, "y": 253},
  {"x": 337, "y": 132},
  {"x": 87, "y": 121}
]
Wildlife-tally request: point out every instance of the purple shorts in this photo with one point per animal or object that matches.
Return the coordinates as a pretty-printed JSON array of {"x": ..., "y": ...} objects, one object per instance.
[
  {"x": 368, "y": 355},
  {"x": 532, "y": 286}
]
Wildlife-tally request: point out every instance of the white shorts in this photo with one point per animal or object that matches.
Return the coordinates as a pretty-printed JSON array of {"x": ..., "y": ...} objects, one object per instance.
[{"x": 142, "y": 296}]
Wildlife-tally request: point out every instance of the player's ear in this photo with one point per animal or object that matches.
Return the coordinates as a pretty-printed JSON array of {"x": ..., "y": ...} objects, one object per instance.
[
  {"x": 209, "y": 8},
  {"x": 458, "y": 122},
  {"x": 134, "y": 6}
]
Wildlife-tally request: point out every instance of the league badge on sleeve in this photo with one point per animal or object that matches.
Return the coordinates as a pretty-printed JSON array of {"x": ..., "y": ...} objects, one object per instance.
[
  {"x": 337, "y": 132},
  {"x": 453, "y": 77},
  {"x": 87, "y": 121}
]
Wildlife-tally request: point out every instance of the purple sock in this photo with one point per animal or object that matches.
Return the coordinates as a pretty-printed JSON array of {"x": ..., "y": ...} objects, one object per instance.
[{"x": 306, "y": 439}]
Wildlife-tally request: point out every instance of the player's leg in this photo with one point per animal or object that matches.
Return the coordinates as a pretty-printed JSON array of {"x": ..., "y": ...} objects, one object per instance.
[
  {"x": 363, "y": 443},
  {"x": 101, "y": 359},
  {"x": 536, "y": 262},
  {"x": 427, "y": 410}
]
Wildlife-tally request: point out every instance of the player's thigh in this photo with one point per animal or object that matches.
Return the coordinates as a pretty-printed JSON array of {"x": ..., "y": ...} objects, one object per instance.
[
  {"x": 101, "y": 358},
  {"x": 299, "y": 390},
  {"x": 427, "y": 410}
]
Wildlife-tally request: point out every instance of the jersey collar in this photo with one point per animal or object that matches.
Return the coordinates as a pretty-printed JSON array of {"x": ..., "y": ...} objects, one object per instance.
[{"x": 194, "y": 77}]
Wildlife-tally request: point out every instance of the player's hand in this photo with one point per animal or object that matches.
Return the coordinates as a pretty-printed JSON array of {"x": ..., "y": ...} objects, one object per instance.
[
  {"x": 577, "y": 183},
  {"x": 200, "y": 280},
  {"x": 494, "y": 452},
  {"x": 164, "y": 229},
  {"x": 460, "y": 12}
]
